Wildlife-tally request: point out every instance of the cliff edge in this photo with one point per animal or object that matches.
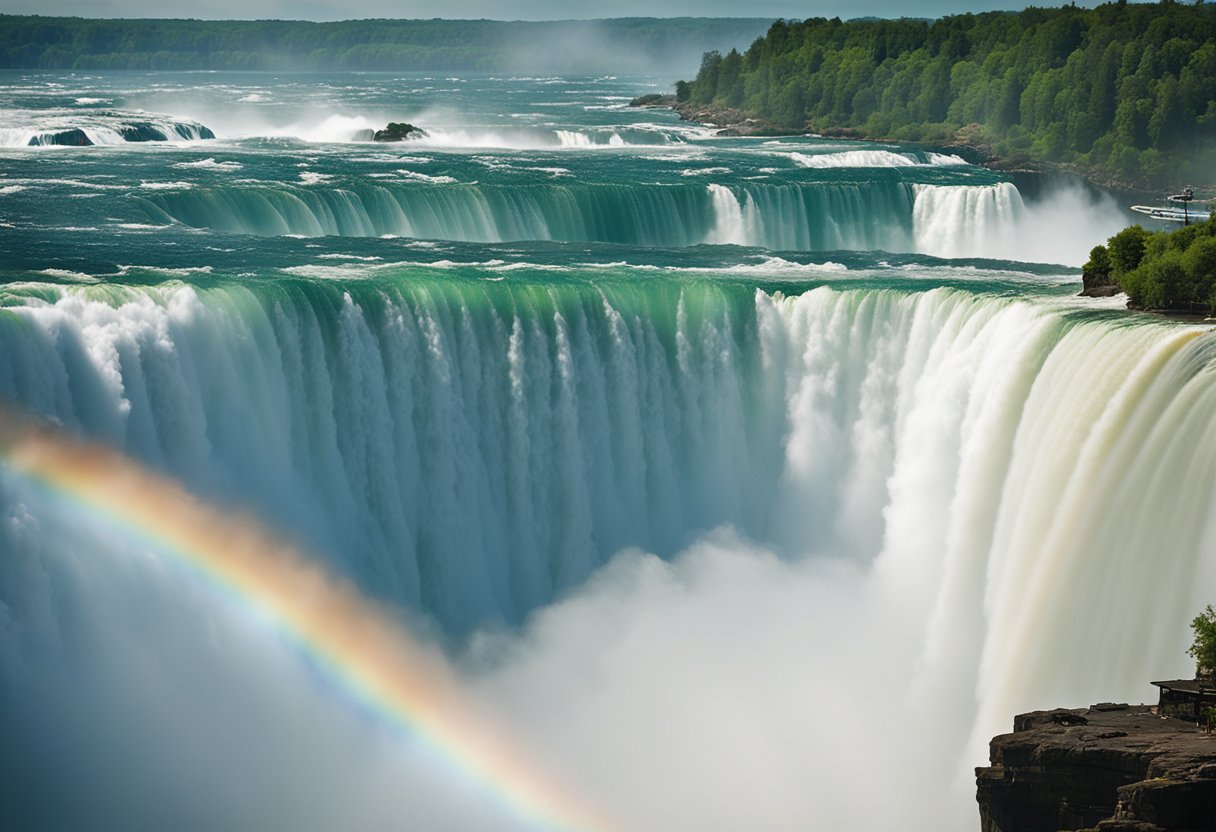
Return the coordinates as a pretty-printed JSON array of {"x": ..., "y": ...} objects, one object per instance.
[{"x": 1113, "y": 768}]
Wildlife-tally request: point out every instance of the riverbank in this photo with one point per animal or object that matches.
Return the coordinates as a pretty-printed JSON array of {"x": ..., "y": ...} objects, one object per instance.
[{"x": 730, "y": 121}]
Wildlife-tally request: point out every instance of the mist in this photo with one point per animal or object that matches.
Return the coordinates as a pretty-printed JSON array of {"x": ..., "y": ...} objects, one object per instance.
[{"x": 692, "y": 695}]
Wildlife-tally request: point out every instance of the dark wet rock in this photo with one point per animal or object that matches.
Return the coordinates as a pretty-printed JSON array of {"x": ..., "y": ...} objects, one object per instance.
[
  {"x": 654, "y": 99},
  {"x": 146, "y": 131},
  {"x": 74, "y": 137},
  {"x": 1110, "y": 768},
  {"x": 203, "y": 131},
  {"x": 129, "y": 131},
  {"x": 730, "y": 120},
  {"x": 398, "y": 132},
  {"x": 1098, "y": 284},
  {"x": 142, "y": 131}
]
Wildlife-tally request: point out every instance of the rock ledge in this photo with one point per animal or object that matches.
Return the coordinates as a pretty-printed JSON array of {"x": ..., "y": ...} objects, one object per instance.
[{"x": 1110, "y": 768}]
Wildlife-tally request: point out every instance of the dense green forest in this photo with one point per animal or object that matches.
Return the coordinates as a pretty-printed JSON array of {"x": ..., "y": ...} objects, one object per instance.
[
  {"x": 574, "y": 46},
  {"x": 1123, "y": 92},
  {"x": 1166, "y": 270}
]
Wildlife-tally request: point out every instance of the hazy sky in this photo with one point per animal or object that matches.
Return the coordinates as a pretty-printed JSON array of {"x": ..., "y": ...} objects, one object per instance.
[{"x": 502, "y": 9}]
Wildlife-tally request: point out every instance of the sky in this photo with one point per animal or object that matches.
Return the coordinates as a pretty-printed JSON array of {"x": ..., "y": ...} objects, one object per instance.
[{"x": 502, "y": 9}]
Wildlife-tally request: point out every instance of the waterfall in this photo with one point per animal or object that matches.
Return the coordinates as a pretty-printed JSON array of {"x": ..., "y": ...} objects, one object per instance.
[
  {"x": 1024, "y": 493},
  {"x": 729, "y": 224},
  {"x": 576, "y": 421},
  {"x": 968, "y": 221},
  {"x": 821, "y": 217}
]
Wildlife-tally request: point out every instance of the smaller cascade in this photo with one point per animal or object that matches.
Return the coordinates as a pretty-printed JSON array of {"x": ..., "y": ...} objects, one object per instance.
[
  {"x": 573, "y": 138},
  {"x": 72, "y": 137},
  {"x": 147, "y": 131},
  {"x": 75, "y": 129},
  {"x": 967, "y": 220},
  {"x": 730, "y": 226}
]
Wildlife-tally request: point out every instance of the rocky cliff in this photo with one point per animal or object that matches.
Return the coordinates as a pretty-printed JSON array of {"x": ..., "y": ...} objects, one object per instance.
[{"x": 1113, "y": 768}]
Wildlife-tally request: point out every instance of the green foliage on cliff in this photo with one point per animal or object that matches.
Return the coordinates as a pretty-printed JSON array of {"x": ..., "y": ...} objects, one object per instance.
[
  {"x": 575, "y": 46},
  {"x": 1166, "y": 270},
  {"x": 1125, "y": 90},
  {"x": 1203, "y": 650}
]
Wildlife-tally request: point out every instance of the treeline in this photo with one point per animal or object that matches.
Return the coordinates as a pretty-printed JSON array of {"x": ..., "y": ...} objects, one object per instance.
[
  {"x": 1125, "y": 91},
  {"x": 1173, "y": 271},
  {"x": 596, "y": 46}
]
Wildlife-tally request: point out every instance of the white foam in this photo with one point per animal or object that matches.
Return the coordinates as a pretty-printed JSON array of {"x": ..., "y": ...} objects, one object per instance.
[
  {"x": 424, "y": 177},
  {"x": 209, "y": 164},
  {"x": 166, "y": 186},
  {"x": 855, "y": 159}
]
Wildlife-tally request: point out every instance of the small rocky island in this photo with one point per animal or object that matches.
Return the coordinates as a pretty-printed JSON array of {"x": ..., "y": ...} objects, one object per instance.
[{"x": 396, "y": 131}]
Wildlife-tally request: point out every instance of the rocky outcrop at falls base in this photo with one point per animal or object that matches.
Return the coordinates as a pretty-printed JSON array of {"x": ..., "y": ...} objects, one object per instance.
[{"x": 1109, "y": 768}]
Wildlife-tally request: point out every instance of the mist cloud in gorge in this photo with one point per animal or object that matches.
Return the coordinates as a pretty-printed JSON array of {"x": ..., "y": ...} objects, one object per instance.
[
  {"x": 134, "y": 696},
  {"x": 693, "y": 695}
]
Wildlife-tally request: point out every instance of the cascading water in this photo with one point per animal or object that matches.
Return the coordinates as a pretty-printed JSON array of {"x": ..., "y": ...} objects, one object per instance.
[
  {"x": 575, "y": 421},
  {"x": 941, "y": 220},
  {"x": 982, "y": 221},
  {"x": 782, "y": 217},
  {"x": 935, "y": 445}
]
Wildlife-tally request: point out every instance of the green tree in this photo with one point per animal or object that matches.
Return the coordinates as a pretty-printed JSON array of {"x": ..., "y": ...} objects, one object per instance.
[
  {"x": 1203, "y": 648},
  {"x": 1127, "y": 249},
  {"x": 1099, "y": 262},
  {"x": 1124, "y": 89}
]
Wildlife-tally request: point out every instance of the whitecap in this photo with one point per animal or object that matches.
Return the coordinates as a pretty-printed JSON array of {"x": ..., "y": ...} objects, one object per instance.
[
  {"x": 704, "y": 171},
  {"x": 209, "y": 164},
  {"x": 423, "y": 177}
]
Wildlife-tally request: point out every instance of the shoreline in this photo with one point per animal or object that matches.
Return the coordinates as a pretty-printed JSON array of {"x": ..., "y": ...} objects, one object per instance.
[{"x": 732, "y": 122}]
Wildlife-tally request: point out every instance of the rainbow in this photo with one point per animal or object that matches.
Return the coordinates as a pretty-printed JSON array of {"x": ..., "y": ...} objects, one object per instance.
[{"x": 359, "y": 645}]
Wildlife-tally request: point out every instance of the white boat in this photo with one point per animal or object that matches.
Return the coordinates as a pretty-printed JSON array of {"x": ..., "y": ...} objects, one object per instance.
[{"x": 1170, "y": 214}]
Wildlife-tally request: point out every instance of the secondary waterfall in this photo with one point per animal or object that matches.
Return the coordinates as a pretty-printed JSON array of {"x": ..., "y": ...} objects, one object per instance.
[{"x": 960, "y": 220}]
